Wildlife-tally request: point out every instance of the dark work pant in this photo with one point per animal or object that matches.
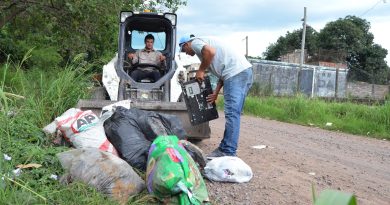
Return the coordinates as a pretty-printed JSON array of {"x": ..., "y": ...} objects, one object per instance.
[{"x": 138, "y": 75}]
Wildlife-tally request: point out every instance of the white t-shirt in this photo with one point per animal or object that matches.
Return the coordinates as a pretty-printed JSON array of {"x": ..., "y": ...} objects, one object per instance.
[{"x": 226, "y": 63}]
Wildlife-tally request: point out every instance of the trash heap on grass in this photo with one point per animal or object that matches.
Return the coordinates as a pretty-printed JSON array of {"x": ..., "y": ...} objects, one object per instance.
[{"x": 109, "y": 150}]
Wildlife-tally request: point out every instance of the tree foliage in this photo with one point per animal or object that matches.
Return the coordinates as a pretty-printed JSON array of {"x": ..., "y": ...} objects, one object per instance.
[
  {"x": 346, "y": 40},
  {"x": 364, "y": 58},
  {"x": 61, "y": 29},
  {"x": 290, "y": 42}
]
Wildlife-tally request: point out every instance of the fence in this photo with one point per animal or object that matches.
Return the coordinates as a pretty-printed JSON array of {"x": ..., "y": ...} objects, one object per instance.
[
  {"x": 366, "y": 90},
  {"x": 285, "y": 79}
]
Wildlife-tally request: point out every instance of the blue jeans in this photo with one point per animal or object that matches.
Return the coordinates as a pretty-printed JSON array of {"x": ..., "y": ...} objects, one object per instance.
[{"x": 235, "y": 90}]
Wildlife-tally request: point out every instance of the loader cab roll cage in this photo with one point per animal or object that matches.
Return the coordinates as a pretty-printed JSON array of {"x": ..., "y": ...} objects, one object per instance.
[{"x": 133, "y": 27}]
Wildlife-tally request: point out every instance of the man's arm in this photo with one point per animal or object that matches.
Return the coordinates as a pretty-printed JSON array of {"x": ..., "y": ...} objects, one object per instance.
[
  {"x": 163, "y": 62},
  {"x": 133, "y": 57},
  {"x": 213, "y": 97},
  {"x": 162, "y": 57},
  {"x": 208, "y": 54},
  {"x": 160, "y": 60}
]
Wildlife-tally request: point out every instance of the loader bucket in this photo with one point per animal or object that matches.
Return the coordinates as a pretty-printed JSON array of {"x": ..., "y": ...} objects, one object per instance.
[{"x": 197, "y": 132}]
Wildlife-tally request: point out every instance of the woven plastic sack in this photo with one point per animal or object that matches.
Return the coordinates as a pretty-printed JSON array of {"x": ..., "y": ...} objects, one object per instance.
[
  {"x": 102, "y": 170},
  {"x": 172, "y": 175},
  {"x": 84, "y": 129}
]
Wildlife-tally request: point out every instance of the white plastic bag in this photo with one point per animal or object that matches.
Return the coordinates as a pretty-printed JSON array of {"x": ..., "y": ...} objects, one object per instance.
[
  {"x": 111, "y": 79},
  {"x": 228, "y": 169},
  {"x": 102, "y": 170},
  {"x": 111, "y": 107}
]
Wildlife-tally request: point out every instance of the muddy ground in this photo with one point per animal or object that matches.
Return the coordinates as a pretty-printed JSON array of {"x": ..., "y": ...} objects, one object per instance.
[{"x": 298, "y": 156}]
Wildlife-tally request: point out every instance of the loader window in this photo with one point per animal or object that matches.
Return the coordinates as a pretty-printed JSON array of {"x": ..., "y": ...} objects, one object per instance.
[{"x": 137, "y": 40}]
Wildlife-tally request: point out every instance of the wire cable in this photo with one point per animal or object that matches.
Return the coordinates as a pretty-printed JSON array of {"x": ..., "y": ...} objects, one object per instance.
[{"x": 368, "y": 10}]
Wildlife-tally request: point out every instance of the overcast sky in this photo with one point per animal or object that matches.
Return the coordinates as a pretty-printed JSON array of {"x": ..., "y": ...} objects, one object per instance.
[{"x": 265, "y": 21}]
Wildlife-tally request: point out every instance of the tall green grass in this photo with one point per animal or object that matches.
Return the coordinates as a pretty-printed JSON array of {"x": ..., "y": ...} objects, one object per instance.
[
  {"x": 359, "y": 119},
  {"x": 30, "y": 99}
]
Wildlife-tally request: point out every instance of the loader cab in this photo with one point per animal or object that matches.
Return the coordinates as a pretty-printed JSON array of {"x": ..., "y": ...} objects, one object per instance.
[
  {"x": 133, "y": 28},
  {"x": 137, "y": 42}
]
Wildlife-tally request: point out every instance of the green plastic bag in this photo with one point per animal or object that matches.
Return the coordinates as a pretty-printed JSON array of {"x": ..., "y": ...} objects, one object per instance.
[{"x": 172, "y": 175}]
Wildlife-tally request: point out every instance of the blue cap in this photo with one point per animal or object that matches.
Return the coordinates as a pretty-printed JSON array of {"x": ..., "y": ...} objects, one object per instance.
[{"x": 184, "y": 39}]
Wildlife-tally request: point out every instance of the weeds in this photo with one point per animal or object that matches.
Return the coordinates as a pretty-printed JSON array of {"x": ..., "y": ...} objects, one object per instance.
[
  {"x": 261, "y": 89},
  {"x": 3, "y": 98},
  {"x": 296, "y": 107},
  {"x": 30, "y": 99}
]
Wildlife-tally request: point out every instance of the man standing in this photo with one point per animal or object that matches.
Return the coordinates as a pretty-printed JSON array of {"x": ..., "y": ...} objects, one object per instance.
[
  {"x": 147, "y": 56},
  {"x": 235, "y": 75}
]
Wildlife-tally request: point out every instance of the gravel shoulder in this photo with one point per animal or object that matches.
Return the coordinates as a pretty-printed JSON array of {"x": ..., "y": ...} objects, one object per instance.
[{"x": 297, "y": 157}]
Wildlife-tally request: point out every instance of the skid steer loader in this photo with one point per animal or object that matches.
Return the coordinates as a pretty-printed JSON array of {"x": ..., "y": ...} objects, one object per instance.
[{"x": 160, "y": 96}]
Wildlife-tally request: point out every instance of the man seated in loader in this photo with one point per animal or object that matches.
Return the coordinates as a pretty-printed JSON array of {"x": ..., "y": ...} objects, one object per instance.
[{"x": 147, "y": 55}]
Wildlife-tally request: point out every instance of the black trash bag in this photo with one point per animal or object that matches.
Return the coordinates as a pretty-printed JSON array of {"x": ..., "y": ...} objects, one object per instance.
[
  {"x": 154, "y": 124},
  {"x": 132, "y": 131},
  {"x": 195, "y": 152}
]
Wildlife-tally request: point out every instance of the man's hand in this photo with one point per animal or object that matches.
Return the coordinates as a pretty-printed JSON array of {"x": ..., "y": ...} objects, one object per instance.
[
  {"x": 162, "y": 58},
  {"x": 130, "y": 55},
  {"x": 199, "y": 75},
  {"x": 212, "y": 97}
]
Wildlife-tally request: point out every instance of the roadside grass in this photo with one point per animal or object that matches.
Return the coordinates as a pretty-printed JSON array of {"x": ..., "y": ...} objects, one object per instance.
[
  {"x": 30, "y": 99},
  {"x": 359, "y": 119}
]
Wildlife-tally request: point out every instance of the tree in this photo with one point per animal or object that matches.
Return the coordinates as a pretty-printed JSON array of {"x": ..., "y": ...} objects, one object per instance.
[
  {"x": 369, "y": 65},
  {"x": 60, "y": 29},
  {"x": 364, "y": 58},
  {"x": 290, "y": 42}
]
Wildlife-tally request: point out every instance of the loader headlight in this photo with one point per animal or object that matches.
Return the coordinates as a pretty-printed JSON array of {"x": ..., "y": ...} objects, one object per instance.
[
  {"x": 144, "y": 95},
  {"x": 171, "y": 17},
  {"x": 125, "y": 14}
]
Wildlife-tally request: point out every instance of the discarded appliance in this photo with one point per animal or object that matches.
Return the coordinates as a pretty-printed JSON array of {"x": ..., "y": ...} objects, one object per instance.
[{"x": 195, "y": 93}]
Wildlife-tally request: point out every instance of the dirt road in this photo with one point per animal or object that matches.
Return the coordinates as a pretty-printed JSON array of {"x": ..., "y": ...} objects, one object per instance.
[{"x": 297, "y": 156}]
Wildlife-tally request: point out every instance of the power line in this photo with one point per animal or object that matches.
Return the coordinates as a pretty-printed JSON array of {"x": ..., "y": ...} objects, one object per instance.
[{"x": 376, "y": 4}]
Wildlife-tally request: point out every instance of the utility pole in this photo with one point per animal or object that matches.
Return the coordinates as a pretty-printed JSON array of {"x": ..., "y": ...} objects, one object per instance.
[
  {"x": 246, "y": 40},
  {"x": 302, "y": 48},
  {"x": 303, "y": 39}
]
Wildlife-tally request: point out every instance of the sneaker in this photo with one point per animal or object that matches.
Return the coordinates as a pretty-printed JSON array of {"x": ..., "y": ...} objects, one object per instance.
[{"x": 217, "y": 153}]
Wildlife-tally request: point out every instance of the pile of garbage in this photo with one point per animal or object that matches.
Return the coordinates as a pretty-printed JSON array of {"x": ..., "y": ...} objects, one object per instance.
[{"x": 112, "y": 149}]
